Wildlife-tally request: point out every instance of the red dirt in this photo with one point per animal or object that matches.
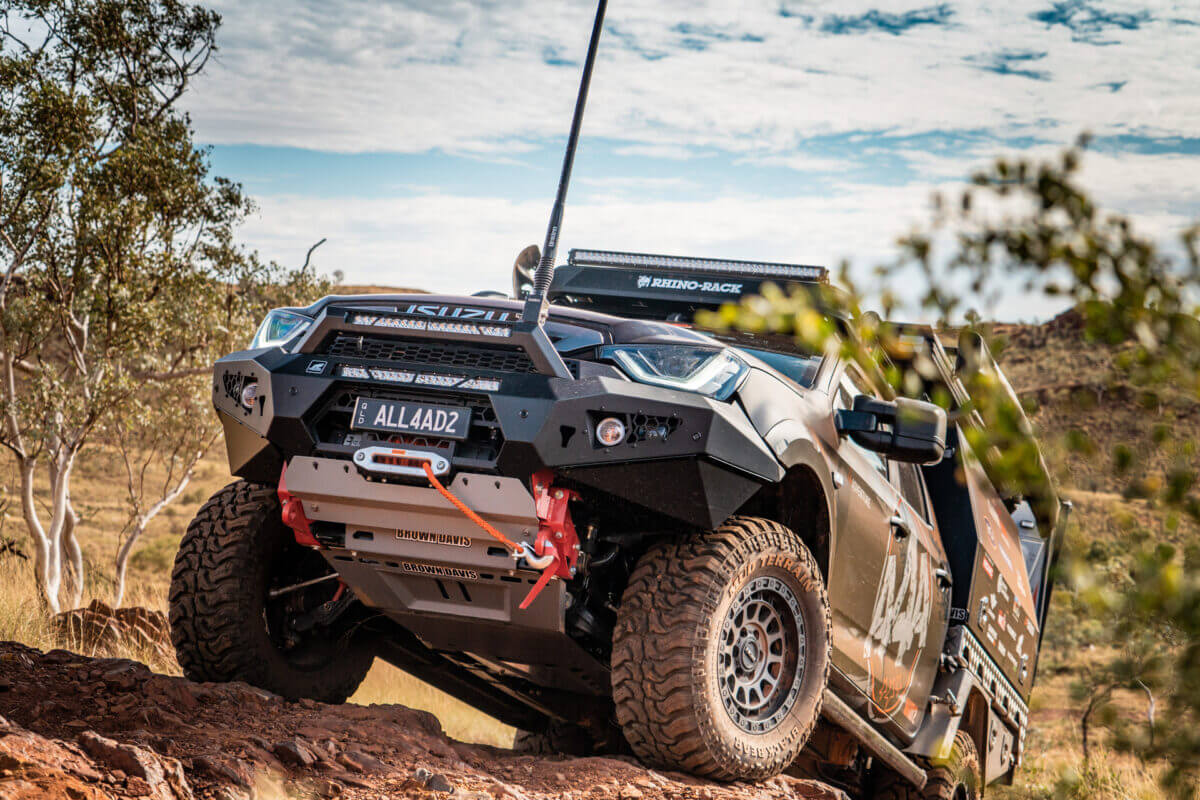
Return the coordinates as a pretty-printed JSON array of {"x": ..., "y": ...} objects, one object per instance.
[{"x": 76, "y": 728}]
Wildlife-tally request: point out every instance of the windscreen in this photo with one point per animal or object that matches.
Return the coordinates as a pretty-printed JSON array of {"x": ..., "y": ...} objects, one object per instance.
[{"x": 801, "y": 369}]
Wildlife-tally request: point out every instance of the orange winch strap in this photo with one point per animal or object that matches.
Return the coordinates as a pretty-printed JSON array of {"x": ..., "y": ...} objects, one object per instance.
[{"x": 471, "y": 515}]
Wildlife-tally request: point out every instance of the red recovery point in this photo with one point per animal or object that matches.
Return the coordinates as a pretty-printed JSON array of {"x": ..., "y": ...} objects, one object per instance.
[
  {"x": 293, "y": 514},
  {"x": 556, "y": 549},
  {"x": 556, "y": 532}
]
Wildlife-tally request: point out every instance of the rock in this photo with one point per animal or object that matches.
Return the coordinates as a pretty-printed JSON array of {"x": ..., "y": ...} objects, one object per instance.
[
  {"x": 630, "y": 793},
  {"x": 138, "y": 787},
  {"x": 358, "y": 761},
  {"x": 128, "y": 758},
  {"x": 234, "y": 770},
  {"x": 102, "y": 627},
  {"x": 230, "y": 793},
  {"x": 293, "y": 753},
  {"x": 328, "y": 788},
  {"x": 438, "y": 783}
]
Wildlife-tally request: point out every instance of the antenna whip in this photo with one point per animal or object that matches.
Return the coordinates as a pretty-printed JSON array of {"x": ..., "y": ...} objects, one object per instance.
[{"x": 545, "y": 268}]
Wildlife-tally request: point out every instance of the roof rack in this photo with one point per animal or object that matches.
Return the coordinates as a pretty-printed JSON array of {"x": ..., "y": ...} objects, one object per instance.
[{"x": 650, "y": 286}]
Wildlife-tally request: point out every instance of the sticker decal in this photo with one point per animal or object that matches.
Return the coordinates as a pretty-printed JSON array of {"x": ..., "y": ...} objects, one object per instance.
[
  {"x": 448, "y": 539},
  {"x": 687, "y": 285},
  {"x": 439, "y": 572},
  {"x": 316, "y": 367},
  {"x": 899, "y": 625}
]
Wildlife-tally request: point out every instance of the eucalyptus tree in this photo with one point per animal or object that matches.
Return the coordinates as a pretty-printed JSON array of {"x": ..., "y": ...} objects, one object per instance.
[{"x": 119, "y": 271}]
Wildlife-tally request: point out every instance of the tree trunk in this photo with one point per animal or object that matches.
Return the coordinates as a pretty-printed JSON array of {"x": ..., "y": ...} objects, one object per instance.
[
  {"x": 74, "y": 579},
  {"x": 138, "y": 528},
  {"x": 47, "y": 559},
  {"x": 123, "y": 554},
  {"x": 62, "y": 527}
]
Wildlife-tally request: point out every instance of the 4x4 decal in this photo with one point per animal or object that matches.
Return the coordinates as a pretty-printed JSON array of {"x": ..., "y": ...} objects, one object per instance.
[{"x": 903, "y": 604}]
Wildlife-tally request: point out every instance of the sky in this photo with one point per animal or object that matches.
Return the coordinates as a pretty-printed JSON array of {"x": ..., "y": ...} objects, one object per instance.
[{"x": 423, "y": 138}]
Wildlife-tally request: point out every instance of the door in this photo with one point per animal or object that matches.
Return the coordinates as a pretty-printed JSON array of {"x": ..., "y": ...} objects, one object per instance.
[
  {"x": 866, "y": 502},
  {"x": 912, "y": 607}
]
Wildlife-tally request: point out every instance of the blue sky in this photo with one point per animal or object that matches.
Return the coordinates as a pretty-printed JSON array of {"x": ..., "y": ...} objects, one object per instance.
[{"x": 423, "y": 138}]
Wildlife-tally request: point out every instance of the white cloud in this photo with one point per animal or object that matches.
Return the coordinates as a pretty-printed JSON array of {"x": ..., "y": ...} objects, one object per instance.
[
  {"x": 409, "y": 76},
  {"x": 472, "y": 77},
  {"x": 462, "y": 245}
]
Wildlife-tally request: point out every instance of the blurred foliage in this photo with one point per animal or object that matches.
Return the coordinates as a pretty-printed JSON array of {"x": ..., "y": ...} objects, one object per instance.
[
  {"x": 120, "y": 276},
  {"x": 1031, "y": 227}
]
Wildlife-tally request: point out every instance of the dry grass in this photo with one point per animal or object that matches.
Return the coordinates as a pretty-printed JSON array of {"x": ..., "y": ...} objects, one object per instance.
[
  {"x": 386, "y": 684},
  {"x": 1054, "y": 768}
]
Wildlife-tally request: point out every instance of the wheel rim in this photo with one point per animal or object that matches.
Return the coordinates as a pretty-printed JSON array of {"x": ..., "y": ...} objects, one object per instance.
[{"x": 760, "y": 658}]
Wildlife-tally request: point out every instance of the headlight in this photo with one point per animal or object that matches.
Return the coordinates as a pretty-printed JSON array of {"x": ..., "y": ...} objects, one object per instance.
[
  {"x": 279, "y": 327},
  {"x": 715, "y": 373}
]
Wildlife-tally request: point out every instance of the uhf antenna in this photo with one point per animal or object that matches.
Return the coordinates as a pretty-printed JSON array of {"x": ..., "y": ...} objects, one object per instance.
[{"x": 536, "y": 306}]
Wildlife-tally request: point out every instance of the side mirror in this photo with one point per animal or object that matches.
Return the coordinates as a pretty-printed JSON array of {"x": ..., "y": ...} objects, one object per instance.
[
  {"x": 906, "y": 430},
  {"x": 523, "y": 269}
]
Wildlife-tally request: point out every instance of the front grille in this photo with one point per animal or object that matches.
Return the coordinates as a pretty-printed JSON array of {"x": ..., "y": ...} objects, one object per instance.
[
  {"x": 430, "y": 353},
  {"x": 478, "y": 451}
]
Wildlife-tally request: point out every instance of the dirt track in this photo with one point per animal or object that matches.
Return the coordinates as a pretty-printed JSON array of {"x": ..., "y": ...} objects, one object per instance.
[{"x": 90, "y": 729}]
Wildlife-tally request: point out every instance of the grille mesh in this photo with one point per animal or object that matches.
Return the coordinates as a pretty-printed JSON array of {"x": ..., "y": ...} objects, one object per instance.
[{"x": 430, "y": 353}]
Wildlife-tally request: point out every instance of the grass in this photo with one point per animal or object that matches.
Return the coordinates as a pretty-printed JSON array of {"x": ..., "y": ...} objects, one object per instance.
[{"x": 385, "y": 684}]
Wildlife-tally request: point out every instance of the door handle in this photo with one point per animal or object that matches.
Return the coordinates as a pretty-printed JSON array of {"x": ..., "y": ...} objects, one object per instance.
[
  {"x": 899, "y": 526},
  {"x": 943, "y": 578}
]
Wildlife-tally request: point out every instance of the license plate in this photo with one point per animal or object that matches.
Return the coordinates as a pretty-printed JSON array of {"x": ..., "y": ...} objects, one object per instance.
[{"x": 391, "y": 416}]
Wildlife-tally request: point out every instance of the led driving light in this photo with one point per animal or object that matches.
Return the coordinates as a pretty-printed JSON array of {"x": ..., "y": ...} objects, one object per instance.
[
  {"x": 249, "y": 395},
  {"x": 279, "y": 328},
  {"x": 708, "y": 371},
  {"x": 610, "y": 432}
]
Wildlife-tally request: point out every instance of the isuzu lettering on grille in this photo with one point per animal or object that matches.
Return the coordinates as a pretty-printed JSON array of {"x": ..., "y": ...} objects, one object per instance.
[{"x": 456, "y": 312}]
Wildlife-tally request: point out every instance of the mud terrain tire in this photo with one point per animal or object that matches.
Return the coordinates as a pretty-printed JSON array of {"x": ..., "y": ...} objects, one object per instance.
[
  {"x": 957, "y": 778},
  {"x": 691, "y": 609},
  {"x": 559, "y": 737},
  {"x": 218, "y": 600}
]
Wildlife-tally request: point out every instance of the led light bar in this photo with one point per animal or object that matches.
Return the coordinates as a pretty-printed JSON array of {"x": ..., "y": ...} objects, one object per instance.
[
  {"x": 436, "y": 326},
  {"x": 481, "y": 384},
  {"x": 646, "y": 261},
  {"x": 421, "y": 379}
]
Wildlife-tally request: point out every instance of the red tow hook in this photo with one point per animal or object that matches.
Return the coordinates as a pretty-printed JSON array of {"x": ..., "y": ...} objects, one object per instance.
[
  {"x": 556, "y": 535},
  {"x": 556, "y": 549},
  {"x": 293, "y": 514}
]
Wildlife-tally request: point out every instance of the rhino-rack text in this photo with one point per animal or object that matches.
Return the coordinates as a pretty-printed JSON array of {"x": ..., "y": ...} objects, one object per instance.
[{"x": 650, "y": 282}]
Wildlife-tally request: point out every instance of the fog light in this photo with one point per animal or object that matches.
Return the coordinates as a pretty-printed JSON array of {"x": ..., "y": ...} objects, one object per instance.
[
  {"x": 610, "y": 431},
  {"x": 249, "y": 395}
]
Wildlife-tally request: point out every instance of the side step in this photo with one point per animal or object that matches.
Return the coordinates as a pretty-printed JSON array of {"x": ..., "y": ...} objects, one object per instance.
[{"x": 837, "y": 712}]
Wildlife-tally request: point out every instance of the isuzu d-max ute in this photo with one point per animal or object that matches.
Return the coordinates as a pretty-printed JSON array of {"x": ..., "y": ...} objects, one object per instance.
[{"x": 613, "y": 530}]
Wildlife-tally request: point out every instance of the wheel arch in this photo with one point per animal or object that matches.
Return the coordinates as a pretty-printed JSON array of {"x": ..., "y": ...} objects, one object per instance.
[
  {"x": 975, "y": 721},
  {"x": 802, "y": 503}
]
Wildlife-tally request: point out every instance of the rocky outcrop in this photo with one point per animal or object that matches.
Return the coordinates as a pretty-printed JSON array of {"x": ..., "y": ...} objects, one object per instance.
[
  {"x": 92, "y": 729},
  {"x": 101, "y": 628}
]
